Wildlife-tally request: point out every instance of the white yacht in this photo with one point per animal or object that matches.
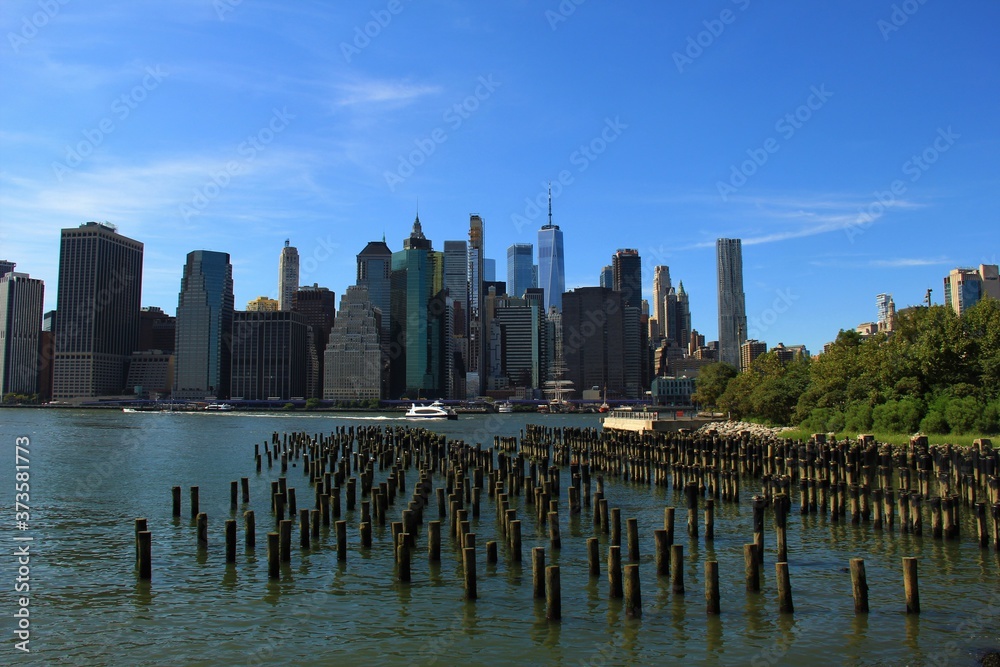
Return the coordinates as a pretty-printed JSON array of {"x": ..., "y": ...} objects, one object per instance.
[
  {"x": 435, "y": 410},
  {"x": 505, "y": 408}
]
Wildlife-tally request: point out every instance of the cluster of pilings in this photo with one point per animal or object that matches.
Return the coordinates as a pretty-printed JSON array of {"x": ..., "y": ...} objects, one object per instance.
[{"x": 546, "y": 465}]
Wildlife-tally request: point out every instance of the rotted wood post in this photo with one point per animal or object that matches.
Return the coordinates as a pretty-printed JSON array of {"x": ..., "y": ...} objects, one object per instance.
[
  {"x": 555, "y": 541},
  {"x": 984, "y": 533},
  {"x": 273, "y": 564},
  {"x": 759, "y": 502},
  {"x": 140, "y": 525},
  {"x": 661, "y": 553},
  {"x": 632, "y": 539},
  {"x": 709, "y": 519},
  {"x": 614, "y": 572},
  {"x": 781, "y": 507},
  {"x": 553, "y": 594},
  {"x": 859, "y": 585},
  {"x": 712, "y": 587},
  {"x": 785, "y": 605},
  {"x": 668, "y": 523},
  {"x": 251, "y": 530},
  {"x": 538, "y": 572},
  {"x": 996, "y": 527},
  {"x": 234, "y": 494},
  {"x": 603, "y": 516},
  {"x": 285, "y": 545},
  {"x": 633, "y": 593},
  {"x": 593, "y": 557},
  {"x": 175, "y": 493},
  {"x": 677, "y": 568},
  {"x": 403, "y": 557},
  {"x": 491, "y": 552},
  {"x": 469, "y": 572},
  {"x": 691, "y": 492},
  {"x": 194, "y": 502},
  {"x": 910, "y": 589},
  {"x": 145, "y": 555},
  {"x": 352, "y": 490},
  {"x": 434, "y": 541},
  {"x": 515, "y": 541},
  {"x": 314, "y": 522},
  {"x": 202, "y": 519},
  {"x": 230, "y": 540},
  {"x": 751, "y": 567},
  {"x": 245, "y": 487},
  {"x": 304, "y": 528},
  {"x": 341, "y": 527},
  {"x": 616, "y": 526}
]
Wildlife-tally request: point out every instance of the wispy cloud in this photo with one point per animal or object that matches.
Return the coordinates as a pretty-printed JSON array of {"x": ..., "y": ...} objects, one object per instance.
[
  {"x": 904, "y": 262},
  {"x": 382, "y": 92}
]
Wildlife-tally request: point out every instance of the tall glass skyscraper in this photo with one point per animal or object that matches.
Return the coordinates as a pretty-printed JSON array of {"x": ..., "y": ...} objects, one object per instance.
[
  {"x": 627, "y": 267},
  {"x": 732, "y": 302},
  {"x": 520, "y": 268},
  {"x": 551, "y": 263},
  {"x": 98, "y": 301},
  {"x": 288, "y": 276},
  {"x": 21, "y": 299},
  {"x": 203, "y": 340}
]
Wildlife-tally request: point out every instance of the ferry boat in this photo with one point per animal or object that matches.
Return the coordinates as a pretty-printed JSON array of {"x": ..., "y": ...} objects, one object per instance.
[
  {"x": 505, "y": 408},
  {"x": 219, "y": 407},
  {"x": 435, "y": 410}
]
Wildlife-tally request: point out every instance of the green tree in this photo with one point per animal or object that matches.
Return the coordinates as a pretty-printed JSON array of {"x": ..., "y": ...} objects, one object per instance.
[
  {"x": 312, "y": 403},
  {"x": 711, "y": 383}
]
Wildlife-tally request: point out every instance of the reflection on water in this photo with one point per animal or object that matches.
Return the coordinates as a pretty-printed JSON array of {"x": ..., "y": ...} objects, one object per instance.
[{"x": 93, "y": 473}]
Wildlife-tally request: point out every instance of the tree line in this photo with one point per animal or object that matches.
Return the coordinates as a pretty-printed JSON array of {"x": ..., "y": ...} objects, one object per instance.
[{"x": 936, "y": 373}]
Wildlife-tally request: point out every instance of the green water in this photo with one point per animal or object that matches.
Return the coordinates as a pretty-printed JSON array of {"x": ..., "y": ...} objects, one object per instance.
[{"x": 93, "y": 472}]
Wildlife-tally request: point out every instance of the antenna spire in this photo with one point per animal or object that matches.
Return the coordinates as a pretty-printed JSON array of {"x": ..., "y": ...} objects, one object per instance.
[{"x": 550, "y": 203}]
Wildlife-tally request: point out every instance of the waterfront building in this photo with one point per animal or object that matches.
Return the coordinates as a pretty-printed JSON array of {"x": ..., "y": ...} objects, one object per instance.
[
  {"x": 204, "y": 329},
  {"x": 98, "y": 301},
  {"x": 288, "y": 276},
  {"x": 596, "y": 334},
  {"x": 353, "y": 356},
  {"x": 150, "y": 373},
  {"x": 516, "y": 354},
  {"x": 732, "y": 301},
  {"x": 21, "y": 298},
  {"x": 670, "y": 390},
  {"x": 263, "y": 304},
  {"x": 521, "y": 269},
  {"x": 269, "y": 356},
  {"x": 319, "y": 306},
  {"x": 551, "y": 262}
]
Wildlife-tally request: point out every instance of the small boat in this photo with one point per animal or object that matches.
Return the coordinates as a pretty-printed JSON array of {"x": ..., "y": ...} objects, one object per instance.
[
  {"x": 505, "y": 408},
  {"x": 435, "y": 410},
  {"x": 219, "y": 407},
  {"x": 604, "y": 406}
]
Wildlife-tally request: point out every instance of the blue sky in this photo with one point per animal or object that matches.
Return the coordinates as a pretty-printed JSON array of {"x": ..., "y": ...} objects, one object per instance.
[{"x": 851, "y": 145}]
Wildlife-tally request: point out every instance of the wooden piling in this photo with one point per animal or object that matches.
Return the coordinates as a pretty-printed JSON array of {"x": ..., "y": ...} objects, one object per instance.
[
  {"x": 616, "y": 526},
  {"x": 785, "y": 605},
  {"x": 341, "y": 527},
  {"x": 668, "y": 523},
  {"x": 234, "y": 494},
  {"x": 712, "y": 587},
  {"x": 304, "y": 528},
  {"x": 230, "y": 540},
  {"x": 251, "y": 530},
  {"x": 202, "y": 519},
  {"x": 491, "y": 552},
  {"x": 677, "y": 568},
  {"x": 245, "y": 487},
  {"x": 515, "y": 541},
  {"x": 910, "y": 589},
  {"x": 145, "y": 555},
  {"x": 859, "y": 585},
  {"x": 759, "y": 503},
  {"x": 632, "y": 539},
  {"x": 194, "y": 502},
  {"x": 555, "y": 540},
  {"x": 538, "y": 572},
  {"x": 434, "y": 541},
  {"x": 273, "y": 565},
  {"x": 661, "y": 553},
  {"x": 593, "y": 557},
  {"x": 633, "y": 593},
  {"x": 469, "y": 571},
  {"x": 403, "y": 557},
  {"x": 709, "y": 519},
  {"x": 285, "y": 545},
  {"x": 614, "y": 572},
  {"x": 751, "y": 567},
  {"x": 553, "y": 594},
  {"x": 175, "y": 493},
  {"x": 140, "y": 525}
]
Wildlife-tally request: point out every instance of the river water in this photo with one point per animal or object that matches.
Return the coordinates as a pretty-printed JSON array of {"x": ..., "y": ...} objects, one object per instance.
[{"x": 92, "y": 472}]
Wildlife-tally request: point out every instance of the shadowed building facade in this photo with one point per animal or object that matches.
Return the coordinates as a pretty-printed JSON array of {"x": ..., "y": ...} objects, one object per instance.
[{"x": 204, "y": 326}]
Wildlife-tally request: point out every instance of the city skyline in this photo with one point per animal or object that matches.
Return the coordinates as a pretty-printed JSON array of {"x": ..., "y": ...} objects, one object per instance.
[{"x": 234, "y": 126}]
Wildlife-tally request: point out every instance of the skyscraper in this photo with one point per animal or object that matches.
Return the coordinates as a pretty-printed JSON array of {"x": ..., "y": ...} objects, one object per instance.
[
  {"x": 732, "y": 302},
  {"x": 661, "y": 285},
  {"x": 353, "y": 364},
  {"x": 597, "y": 333},
  {"x": 6, "y": 266},
  {"x": 98, "y": 301},
  {"x": 477, "y": 345},
  {"x": 607, "y": 277},
  {"x": 627, "y": 268},
  {"x": 288, "y": 276},
  {"x": 456, "y": 282},
  {"x": 964, "y": 287},
  {"x": 20, "y": 332},
  {"x": 551, "y": 263},
  {"x": 520, "y": 268},
  {"x": 204, "y": 326},
  {"x": 269, "y": 356},
  {"x": 319, "y": 306},
  {"x": 374, "y": 273}
]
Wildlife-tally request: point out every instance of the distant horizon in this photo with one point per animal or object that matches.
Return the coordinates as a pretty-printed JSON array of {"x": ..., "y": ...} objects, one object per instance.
[{"x": 848, "y": 146}]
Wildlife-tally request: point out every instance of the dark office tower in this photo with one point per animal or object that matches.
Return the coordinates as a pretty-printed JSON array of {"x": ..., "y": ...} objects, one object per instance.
[
  {"x": 551, "y": 263},
  {"x": 607, "y": 277},
  {"x": 515, "y": 333},
  {"x": 269, "y": 356},
  {"x": 520, "y": 268},
  {"x": 627, "y": 268},
  {"x": 477, "y": 369},
  {"x": 683, "y": 317},
  {"x": 421, "y": 333},
  {"x": 456, "y": 282},
  {"x": 374, "y": 271},
  {"x": 6, "y": 267},
  {"x": 202, "y": 347},
  {"x": 157, "y": 330},
  {"x": 288, "y": 276},
  {"x": 20, "y": 333},
  {"x": 732, "y": 302},
  {"x": 319, "y": 306},
  {"x": 661, "y": 285},
  {"x": 594, "y": 340},
  {"x": 536, "y": 296},
  {"x": 98, "y": 299}
]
